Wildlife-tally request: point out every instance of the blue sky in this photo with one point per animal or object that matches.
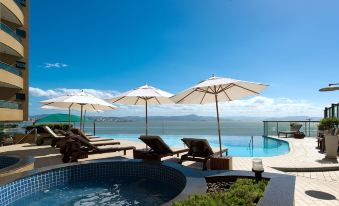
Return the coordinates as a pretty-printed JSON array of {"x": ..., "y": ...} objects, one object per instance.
[{"x": 113, "y": 46}]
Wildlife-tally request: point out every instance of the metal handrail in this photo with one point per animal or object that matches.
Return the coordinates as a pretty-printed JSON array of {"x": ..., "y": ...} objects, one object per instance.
[
  {"x": 10, "y": 68},
  {"x": 32, "y": 130},
  {"x": 8, "y": 30}
]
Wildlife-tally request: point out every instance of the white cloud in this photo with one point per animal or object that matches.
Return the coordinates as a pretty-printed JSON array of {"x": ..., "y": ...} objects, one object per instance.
[
  {"x": 37, "y": 92},
  {"x": 258, "y": 106},
  {"x": 55, "y": 65}
]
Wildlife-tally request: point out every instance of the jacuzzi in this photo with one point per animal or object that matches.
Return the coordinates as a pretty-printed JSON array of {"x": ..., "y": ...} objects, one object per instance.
[
  {"x": 12, "y": 164},
  {"x": 130, "y": 182}
]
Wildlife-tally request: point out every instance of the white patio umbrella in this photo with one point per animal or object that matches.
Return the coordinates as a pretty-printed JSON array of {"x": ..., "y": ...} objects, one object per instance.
[
  {"x": 331, "y": 87},
  {"x": 79, "y": 101},
  {"x": 218, "y": 89},
  {"x": 144, "y": 95}
]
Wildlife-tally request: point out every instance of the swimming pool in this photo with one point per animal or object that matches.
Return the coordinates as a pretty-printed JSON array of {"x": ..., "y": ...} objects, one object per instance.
[{"x": 238, "y": 146}]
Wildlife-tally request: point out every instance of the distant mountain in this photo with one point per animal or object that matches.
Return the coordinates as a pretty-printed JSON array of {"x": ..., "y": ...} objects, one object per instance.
[{"x": 293, "y": 118}]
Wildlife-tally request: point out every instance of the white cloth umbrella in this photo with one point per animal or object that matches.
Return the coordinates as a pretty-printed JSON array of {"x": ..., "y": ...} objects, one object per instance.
[
  {"x": 331, "y": 87},
  {"x": 218, "y": 89},
  {"x": 144, "y": 95},
  {"x": 79, "y": 101}
]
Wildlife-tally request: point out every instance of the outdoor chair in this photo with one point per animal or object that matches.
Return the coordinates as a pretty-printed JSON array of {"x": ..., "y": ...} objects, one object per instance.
[
  {"x": 77, "y": 148},
  {"x": 90, "y": 138},
  {"x": 294, "y": 129},
  {"x": 199, "y": 151},
  {"x": 157, "y": 149},
  {"x": 48, "y": 134}
]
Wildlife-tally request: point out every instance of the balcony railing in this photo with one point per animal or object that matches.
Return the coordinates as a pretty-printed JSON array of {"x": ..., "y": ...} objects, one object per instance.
[
  {"x": 332, "y": 111},
  {"x": 9, "y": 31},
  {"x": 10, "y": 69},
  {"x": 20, "y": 3},
  {"x": 10, "y": 105},
  {"x": 309, "y": 127}
]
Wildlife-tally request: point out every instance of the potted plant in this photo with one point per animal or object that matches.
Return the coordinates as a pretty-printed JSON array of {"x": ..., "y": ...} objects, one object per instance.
[{"x": 331, "y": 140}]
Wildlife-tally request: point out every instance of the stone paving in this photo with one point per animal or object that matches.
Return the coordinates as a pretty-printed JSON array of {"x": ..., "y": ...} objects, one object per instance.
[{"x": 312, "y": 188}]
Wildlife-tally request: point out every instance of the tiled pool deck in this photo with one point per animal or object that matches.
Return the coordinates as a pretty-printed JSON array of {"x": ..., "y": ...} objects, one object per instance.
[{"x": 312, "y": 188}]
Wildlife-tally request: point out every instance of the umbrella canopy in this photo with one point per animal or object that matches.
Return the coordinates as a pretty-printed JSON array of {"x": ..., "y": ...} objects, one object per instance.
[
  {"x": 80, "y": 101},
  {"x": 60, "y": 118},
  {"x": 331, "y": 87},
  {"x": 143, "y": 95},
  {"x": 218, "y": 89}
]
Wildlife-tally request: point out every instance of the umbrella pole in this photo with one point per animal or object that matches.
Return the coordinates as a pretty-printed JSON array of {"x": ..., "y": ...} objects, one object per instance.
[
  {"x": 146, "y": 119},
  {"x": 69, "y": 118},
  {"x": 219, "y": 133},
  {"x": 83, "y": 123},
  {"x": 81, "y": 117}
]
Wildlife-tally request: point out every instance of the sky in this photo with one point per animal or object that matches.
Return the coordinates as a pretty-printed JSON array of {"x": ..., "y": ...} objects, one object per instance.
[{"x": 108, "y": 47}]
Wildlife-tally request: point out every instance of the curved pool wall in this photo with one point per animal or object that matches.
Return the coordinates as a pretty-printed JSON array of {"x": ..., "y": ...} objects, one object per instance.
[
  {"x": 11, "y": 164},
  {"x": 238, "y": 146},
  {"x": 47, "y": 178}
]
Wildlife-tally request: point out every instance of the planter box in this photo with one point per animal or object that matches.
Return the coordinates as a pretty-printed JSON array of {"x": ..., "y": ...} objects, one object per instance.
[
  {"x": 221, "y": 163},
  {"x": 331, "y": 144},
  {"x": 299, "y": 135}
]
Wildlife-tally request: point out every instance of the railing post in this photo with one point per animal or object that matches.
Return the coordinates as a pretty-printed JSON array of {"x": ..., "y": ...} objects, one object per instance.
[
  {"x": 277, "y": 128},
  {"x": 94, "y": 128}
]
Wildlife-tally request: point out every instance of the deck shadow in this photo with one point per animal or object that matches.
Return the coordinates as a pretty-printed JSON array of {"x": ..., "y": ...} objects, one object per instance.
[{"x": 320, "y": 195}]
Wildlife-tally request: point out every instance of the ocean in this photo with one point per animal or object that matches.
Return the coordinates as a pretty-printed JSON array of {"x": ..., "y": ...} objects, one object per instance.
[{"x": 228, "y": 128}]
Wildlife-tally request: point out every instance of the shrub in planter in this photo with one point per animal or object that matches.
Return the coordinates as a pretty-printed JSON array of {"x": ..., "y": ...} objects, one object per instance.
[
  {"x": 294, "y": 124},
  {"x": 328, "y": 123},
  {"x": 242, "y": 192}
]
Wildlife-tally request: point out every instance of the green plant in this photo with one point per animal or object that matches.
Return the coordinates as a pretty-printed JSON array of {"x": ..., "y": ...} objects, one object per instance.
[
  {"x": 64, "y": 127},
  {"x": 245, "y": 192},
  {"x": 328, "y": 123},
  {"x": 294, "y": 124}
]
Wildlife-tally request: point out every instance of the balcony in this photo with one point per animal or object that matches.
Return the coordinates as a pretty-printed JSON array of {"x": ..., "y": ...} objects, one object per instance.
[
  {"x": 10, "y": 69},
  {"x": 10, "y": 111},
  {"x": 9, "y": 31},
  {"x": 10, "y": 41},
  {"x": 10, "y": 76},
  {"x": 10, "y": 105},
  {"x": 12, "y": 11}
]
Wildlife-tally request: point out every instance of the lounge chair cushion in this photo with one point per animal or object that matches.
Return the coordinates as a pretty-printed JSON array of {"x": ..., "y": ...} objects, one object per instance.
[
  {"x": 156, "y": 144},
  {"x": 198, "y": 147},
  {"x": 51, "y": 132}
]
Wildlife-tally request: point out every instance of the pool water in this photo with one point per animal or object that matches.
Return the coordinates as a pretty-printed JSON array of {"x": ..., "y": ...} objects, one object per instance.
[
  {"x": 238, "y": 146},
  {"x": 116, "y": 191}
]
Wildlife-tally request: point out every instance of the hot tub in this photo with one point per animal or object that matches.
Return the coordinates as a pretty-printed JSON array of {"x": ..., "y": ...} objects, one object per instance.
[
  {"x": 13, "y": 164},
  {"x": 101, "y": 183}
]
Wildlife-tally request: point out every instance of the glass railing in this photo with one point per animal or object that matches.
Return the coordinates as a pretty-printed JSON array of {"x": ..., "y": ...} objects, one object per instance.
[
  {"x": 10, "y": 105},
  {"x": 332, "y": 111},
  {"x": 20, "y": 2},
  {"x": 10, "y": 69},
  {"x": 308, "y": 127},
  {"x": 8, "y": 30}
]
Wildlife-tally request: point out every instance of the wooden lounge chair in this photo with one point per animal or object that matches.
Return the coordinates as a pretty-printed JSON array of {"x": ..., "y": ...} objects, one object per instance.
[
  {"x": 59, "y": 140},
  {"x": 89, "y": 138},
  {"x": 293, "y": 130},
  {"x": 158, "y": 149},
  {"x": 77, "y": 147},
  {"x": 199, "y": 151}
]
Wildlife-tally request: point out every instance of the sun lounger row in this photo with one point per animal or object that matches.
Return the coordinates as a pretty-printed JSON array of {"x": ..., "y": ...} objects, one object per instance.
[
  {"x": 75, "y": 145},
  {"x": 198, "y": 150}
]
